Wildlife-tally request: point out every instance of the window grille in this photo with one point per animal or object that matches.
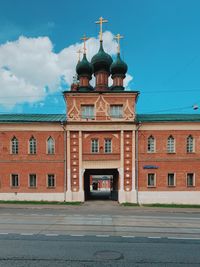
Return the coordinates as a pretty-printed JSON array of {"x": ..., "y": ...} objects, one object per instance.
[
  {"x": 170, "y": 144},
  {"x": 14, "y": 180},
  {"x": 190, "y": 144},
  {"x": 151, "y": 144},
  {"x": 50, "y": 146},
  {"x": 87, "y": 111},
  {"x": 95, "y": 145},
  {"x": 116, "y": 111},
  {"x": 190, "y": 179},
  {"x": 32, "y": 180},
  {"x": 14, "y": 145},
  {"x": 51, "y": 180},
  {"x": 108, "y": 146},
  {"x": 32, "y": 145},
  {"x": 151, "y": 179},
  {"x": 171, "y": 179}
]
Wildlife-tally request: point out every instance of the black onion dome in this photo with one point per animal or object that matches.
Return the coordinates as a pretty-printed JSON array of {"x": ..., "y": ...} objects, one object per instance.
[
  {"x": 102, "y": 60},
  {"x": 118, "y": 66},
  {"x": 84, "y": 67}
]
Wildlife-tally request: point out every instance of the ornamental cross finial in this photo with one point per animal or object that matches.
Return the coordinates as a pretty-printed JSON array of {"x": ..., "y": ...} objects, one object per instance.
[
  {"x": 100, "y": 22},
  {"x": 118, "y": 37},
  {"x": 79, "y": 54},
  {"x": 84, "y": 38}
]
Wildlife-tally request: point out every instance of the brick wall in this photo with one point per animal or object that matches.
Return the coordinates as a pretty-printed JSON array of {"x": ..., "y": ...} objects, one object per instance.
[{"x": 180, "y": 163}]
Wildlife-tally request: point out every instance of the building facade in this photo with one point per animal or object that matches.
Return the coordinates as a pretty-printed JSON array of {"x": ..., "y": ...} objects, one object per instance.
[{"x": 151, "y": 158}]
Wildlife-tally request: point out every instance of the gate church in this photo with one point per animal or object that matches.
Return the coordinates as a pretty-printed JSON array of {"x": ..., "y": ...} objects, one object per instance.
[{"x": 151, "y": 158}]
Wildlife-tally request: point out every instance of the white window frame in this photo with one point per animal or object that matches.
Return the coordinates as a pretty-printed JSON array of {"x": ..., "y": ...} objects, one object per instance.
[
  {"x": 48, "y": 180},
  {"x": 174, "y": 176},
  {"x": 116, "y": 111},
  {"x": 187, "y": 179},
  {"x": 29, "y": 180},
  {"x": 87, "y": 112},
  {"x": 171, "y": 146},
  {"x": 11, "y": 180},
  {"x": 14, "y": 146},
  {"x": 151, "y": 144},
  {"x": 107, "y": 146},
  {"x": 95, "y": 147},
  {"x": 154, "y": 175},
  {"x": 190, "y": 144},
  {"x": 47, "y": 145},
  {"x": 32, "y": 145}
]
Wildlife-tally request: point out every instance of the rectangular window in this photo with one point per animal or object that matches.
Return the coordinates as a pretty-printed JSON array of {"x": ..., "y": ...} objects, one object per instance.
[
  {"x": 87, "y": 111},
  {"x": 108, "y": 146},
  {"x": 14, "y": 180},
  {"x": 14, "y": 146},
  {"x": 32, "y": 180},
  {"x": 171, "y": 145},
  {"x": 32, "y": 146},
  {"x": 51, "y": 180},
  {"x": 95, "y": 145},
  {"x": 190, "y": 179},
  {"x": 151, "y": 145},
  {"x": 190, "y": 144},
  {"x": 50, "y": 145},
  {"x": 151, "y": 180},
  {"x": 171, "y": 179},
  {"x": 116, "y": 111}
]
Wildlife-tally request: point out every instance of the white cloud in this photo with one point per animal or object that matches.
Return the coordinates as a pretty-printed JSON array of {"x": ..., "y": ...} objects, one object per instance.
[{"x": 29, "y": 65}]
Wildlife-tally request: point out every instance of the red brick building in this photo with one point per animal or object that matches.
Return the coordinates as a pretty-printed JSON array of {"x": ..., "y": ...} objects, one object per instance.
[{"x": 151, "y": 158}]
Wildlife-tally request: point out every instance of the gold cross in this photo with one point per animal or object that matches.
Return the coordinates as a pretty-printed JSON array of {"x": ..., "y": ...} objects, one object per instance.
[
  {"x": 118, "y": 37},
  {"x": 100, "y": 22},
  {"x": 79, "y": 54},
  {"x": 84, "y": 38}
]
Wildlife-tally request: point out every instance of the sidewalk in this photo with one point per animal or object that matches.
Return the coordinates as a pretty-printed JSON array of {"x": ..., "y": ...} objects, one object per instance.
[{"x": 101, "y": 207}]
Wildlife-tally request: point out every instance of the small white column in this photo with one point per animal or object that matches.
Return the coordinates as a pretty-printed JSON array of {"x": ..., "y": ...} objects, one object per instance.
[
  {"x": 133, "y": 160},
  {"x": 69, "y": 192},
  {"x": 81, "y": 171},
  {"x": 121, "y": 192},
  {"x": 122, "y": 161}
]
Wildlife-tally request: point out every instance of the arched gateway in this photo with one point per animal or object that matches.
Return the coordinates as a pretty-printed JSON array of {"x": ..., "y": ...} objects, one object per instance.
[{"x": 100, "y": 128}]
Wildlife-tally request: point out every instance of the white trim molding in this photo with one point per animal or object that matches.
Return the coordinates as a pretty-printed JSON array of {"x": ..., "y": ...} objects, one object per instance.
[{"x": 167, "y": 197}]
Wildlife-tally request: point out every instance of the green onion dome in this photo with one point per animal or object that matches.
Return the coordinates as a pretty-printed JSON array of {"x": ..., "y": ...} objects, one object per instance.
[
  {"x": 118, "y": 66},
  {"x": 101, "y": 61},
  {"x": 84, "y": 67}
]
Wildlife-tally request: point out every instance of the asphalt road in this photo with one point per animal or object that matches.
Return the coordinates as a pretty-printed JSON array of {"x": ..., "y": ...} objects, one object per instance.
[
  {"x": 87, "y": 251},
  {"x": 98, "y": 234}
]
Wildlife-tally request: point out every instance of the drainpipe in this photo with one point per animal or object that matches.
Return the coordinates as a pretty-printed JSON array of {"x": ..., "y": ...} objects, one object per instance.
[
  {"x": 136, "y": 159},
  {"x": 65, "y": 159}
]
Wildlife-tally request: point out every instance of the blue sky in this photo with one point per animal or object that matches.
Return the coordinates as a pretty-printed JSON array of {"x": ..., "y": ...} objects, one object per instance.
[{"x": 161, "y": 47}]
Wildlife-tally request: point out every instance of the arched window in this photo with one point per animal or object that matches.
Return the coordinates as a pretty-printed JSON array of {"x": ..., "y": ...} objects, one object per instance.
[
  {"x": 14, "y": 145},
  {"x": 170, "y": 144},
  {"x": 190, "y": 144},
  {"x": 50, "y": 145},
  {"x": 151, "y": 144},
  {"x": 32, "y": 145}
]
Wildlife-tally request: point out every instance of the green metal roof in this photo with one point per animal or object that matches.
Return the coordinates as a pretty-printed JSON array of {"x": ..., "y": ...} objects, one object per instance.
[
  {"x": 6, "y": 118},
  {"x": 32, "y": 118},
  {"x": 168, "y": 118}
]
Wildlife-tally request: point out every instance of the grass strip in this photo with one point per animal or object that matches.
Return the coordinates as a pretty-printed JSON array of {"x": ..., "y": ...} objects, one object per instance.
[
  {"x": 39, "y": 202},
  {"x": 128, "y": 204},
  {"x": 159, "y": 205}
]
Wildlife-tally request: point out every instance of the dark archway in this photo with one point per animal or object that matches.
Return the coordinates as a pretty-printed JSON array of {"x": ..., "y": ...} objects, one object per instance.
[{"x": 93, "y": 188}]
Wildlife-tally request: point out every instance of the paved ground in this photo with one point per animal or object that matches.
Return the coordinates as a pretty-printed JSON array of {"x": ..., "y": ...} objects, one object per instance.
[
  {"x": 99, "y": 218},
  {"x": 98, "y": 233},
  {"x": 68, "y": 251}
]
